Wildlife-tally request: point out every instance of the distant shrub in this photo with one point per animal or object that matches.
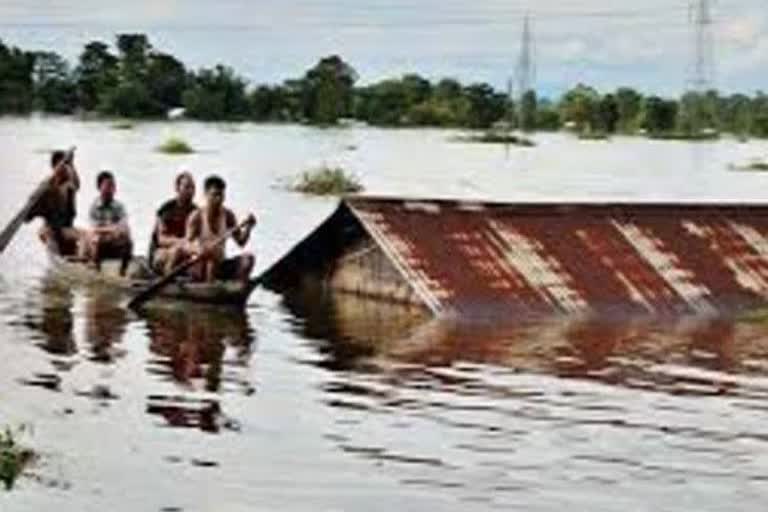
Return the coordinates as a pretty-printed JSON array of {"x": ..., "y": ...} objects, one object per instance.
[
  {"x": 754, "y": 166},
  {"x": 13, "y": 457},
  {"x": 123, "y": 125},
  {"x": 495, "y": 137},
  {"x": 327, "y": 181},
  {"x": 175, "y": 146}
]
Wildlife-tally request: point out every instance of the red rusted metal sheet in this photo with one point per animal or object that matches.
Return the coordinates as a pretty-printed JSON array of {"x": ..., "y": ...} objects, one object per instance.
[{"x": 505, "y": 259}]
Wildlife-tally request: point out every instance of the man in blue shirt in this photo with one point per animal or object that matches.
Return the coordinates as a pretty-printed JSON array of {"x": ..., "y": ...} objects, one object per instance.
[{"x": 109, "y": 236}]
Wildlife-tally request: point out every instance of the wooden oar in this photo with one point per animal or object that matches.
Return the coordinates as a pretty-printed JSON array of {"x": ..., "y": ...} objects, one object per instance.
[
  {"x": 164, "y": 281},
  {"x": 13, "y": 227}
]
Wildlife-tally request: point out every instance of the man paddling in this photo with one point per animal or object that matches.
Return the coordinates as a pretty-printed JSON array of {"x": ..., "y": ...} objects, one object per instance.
[
  {"x": 169, "y": 245},
  {"x": 109, "y": 236},
  {"x": 204, "y": 228},
  {"x": 57, "y": 206}
]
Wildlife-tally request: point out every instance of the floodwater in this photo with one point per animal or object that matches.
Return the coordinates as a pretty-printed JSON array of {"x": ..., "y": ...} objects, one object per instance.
[{"x": 332, "y": 403}]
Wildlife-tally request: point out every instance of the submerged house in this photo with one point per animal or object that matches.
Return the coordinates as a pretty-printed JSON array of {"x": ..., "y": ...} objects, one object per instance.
[{"x": 491, "y": 259}]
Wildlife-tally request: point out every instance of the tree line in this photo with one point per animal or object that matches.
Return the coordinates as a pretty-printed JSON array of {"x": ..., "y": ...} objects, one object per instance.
[{"x": 137, "y": 80}]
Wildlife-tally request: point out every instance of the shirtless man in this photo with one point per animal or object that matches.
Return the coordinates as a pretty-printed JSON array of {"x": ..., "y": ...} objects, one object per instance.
[
  {"x": 57, "y": 206},
  {"x": 169, "y": 246},
  {"x": 207, "y": 224},
  {"x": 109, "y": 236}
]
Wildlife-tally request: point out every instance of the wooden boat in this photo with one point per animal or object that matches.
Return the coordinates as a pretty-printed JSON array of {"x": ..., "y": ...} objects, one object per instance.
[{"x": 138, "y": 276}]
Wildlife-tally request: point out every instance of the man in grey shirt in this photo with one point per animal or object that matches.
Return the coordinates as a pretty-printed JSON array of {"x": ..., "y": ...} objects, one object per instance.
[{"x": 109, "y": 236}]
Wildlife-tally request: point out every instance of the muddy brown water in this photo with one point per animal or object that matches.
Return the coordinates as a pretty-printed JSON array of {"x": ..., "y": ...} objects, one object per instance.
[{"x": 329, "y": 403}]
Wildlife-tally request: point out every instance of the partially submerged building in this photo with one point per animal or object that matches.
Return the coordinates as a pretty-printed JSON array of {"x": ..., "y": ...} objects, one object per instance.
[{"x": 499, "y": 259}]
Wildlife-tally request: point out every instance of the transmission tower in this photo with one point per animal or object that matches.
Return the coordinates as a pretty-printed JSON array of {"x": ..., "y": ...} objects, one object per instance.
[
  {"x": 526, "y": 66},
  {"x": 703, "y": 69}
]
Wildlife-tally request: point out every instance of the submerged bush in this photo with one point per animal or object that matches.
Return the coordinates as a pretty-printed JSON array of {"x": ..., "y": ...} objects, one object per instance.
[
  {"x": 175, "y": 146},
  {"x": 327, "y": 181},
  {"x": 495, "y": 137},
  {"x": 754, "y": 166},
  {"x": 13, "y": 457},
  {"x": 592, "y": 135},
  {"x": 122, "y": 125}
]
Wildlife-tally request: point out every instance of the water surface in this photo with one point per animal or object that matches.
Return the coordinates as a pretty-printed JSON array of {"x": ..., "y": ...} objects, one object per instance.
[{"x": 330, "y": 403}]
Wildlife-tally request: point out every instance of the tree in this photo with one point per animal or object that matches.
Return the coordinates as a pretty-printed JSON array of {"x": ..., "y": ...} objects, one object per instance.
[
  {"x": 629, "y": 104},
  {"x": 166, "y": 80},
  {"x": 578, "y": 106},
  {"x": 216, "y": 94},
  {"x": 760, "y": 115},
  {"x": 134, "y": 53},
  {"x": 385, "y": 103},
  {"x": 54, "y": 88},
  {"x": 606, "y": 114},
  {"x": 16, "y": 82},
  {"x": 547, "y": 116},
  {"x": 95, "y": 75},
  {"x": 736, "y": 114},
  {"x": 328, "y": 87},
  {"x": 447, "y": 89},
  {"x": 528, "y": 107},
  {"x": 659, "y": 115}
]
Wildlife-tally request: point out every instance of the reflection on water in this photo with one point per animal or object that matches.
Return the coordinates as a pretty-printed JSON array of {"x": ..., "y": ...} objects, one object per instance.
[
  {"x": 630, "y": 352},
  {"x": 348, "y": 330},
  {"x": 198, "y": 349},
  {"x": 105, "y": 323},
  {"x": 52, "y": 317},
  {"x": 503, "y": 422}
]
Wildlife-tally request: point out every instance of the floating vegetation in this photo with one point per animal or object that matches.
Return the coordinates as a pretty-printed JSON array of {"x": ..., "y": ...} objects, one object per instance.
[
  {"x": 13, "y": 457},
  {"x": 175, "y": 146},
  {"x": 493, "y": 137},
  {"x": 701, "y": 136},
  {"x": 123, "y": 125},
  {"x": 593, "y": 135},
  {"x": 754, "y": 166},
  {"x": 230, "y": 128},
  {"x": 327, "y": 181}
]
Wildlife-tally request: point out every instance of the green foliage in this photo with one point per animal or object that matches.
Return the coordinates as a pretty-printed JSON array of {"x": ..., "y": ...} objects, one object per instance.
[
  {"x": 528, "y": 109},
  {"x": 135, "y": 80},
  {"x": 327, "y": 181},
  {"x": 629, "y": 104},
  {"x": 754, "y": 166},
  {"x": 217, "y": 94},
  {"x": 578, "y": 107},
  {"x": 16, "y": 80},
  {"x": 54, "y": 90},
  {"x": 96, "y": 73},
  {"x": 499, "y": 137},
  {"x": 659, "y": 116},
  {"x": 122, "y": 125},
  {"x": 175, "y": 146},
  {"x": 13, "y": 457},
  {"x": 327, "y": 91}
]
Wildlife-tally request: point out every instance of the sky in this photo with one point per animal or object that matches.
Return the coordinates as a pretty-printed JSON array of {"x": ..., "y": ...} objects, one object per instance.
[{"x": 602, "y": 43}]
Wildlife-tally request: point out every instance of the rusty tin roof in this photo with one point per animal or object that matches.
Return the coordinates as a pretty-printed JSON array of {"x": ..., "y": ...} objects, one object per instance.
[{"x": 475, "y": 258}]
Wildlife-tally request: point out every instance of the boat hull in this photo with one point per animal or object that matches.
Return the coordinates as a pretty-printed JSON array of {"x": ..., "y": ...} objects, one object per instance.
[{"x": 137, "y": 278}]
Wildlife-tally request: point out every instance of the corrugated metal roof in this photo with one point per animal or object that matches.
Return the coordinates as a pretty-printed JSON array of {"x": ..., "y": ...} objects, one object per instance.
[{"x": 494, "y": 259}]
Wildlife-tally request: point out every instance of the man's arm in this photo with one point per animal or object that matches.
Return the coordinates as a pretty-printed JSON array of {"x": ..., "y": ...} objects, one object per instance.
[
  {"x": 73, "y": 176},
  {"x": 193, "y": 226},
  {"x": 242, "y": 235},
  {"x": 122, "y": 226},
  {"x": 164, "y": 238}
]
